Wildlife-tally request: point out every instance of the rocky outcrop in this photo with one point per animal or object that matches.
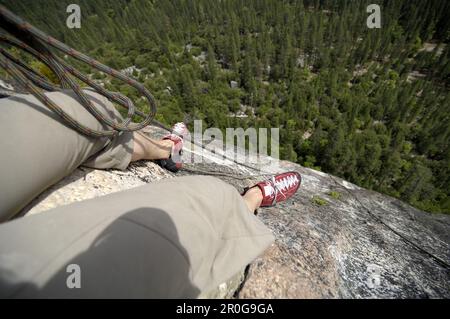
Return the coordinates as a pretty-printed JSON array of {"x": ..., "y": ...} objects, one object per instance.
[
  {"x": 333, "y": 240},
  {"x": 352, "y": 243}
]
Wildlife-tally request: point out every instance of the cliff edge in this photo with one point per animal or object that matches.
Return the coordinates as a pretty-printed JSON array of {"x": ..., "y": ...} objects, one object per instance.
[{"x": 333, "y": 240}]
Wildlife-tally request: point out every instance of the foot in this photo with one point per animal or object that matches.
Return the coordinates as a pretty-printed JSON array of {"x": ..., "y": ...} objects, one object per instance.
[
  {"x": 174, "y": 163},
  {"x": 278, "y": 188},
  {"x": 147, "y": 148}
]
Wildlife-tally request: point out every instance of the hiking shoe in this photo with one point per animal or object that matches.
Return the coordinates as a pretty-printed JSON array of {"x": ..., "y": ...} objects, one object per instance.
[
  {"x": 174, "y": 163},
  {"x": 279, "y": 188}
]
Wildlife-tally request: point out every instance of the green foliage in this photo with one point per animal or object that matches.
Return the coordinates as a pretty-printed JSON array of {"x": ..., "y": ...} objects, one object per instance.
[
  {"x": 368, "y": 105},
  {"x": 44, "y": 70},
  {"x": 335, "y": 195},
  {"x": 319, "y": 200}
]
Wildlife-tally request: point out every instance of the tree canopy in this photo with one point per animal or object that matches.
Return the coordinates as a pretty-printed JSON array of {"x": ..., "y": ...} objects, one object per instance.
[{"x": 369, "y": 105}]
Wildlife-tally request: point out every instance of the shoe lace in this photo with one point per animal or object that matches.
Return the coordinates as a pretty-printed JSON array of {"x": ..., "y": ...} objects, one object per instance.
[{"x": 277, "y": 189}]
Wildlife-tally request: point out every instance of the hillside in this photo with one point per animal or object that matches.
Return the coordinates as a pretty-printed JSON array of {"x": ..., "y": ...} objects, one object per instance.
[{"x": 369, "y": 105}]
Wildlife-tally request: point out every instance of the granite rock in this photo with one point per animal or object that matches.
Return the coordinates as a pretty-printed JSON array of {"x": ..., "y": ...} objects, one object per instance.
[{"x": 333, "y": 239}]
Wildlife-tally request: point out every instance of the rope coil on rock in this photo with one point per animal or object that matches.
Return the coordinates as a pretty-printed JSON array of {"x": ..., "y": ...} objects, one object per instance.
[{"x": 32, "y": 40}]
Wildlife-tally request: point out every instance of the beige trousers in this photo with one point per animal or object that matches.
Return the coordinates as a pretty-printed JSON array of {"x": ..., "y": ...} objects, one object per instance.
[
  {"x": 38, "y": 149},
  {"x": 171, "y": 239}
]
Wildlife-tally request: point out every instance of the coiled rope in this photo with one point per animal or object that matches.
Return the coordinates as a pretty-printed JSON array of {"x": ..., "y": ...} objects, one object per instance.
[{"x": 32, "y": 40}]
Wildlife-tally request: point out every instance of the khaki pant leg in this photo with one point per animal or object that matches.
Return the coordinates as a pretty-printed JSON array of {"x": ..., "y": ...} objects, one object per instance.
[
  {"x": 171, "y": 239},
  {"x": 38, "y": 149}
]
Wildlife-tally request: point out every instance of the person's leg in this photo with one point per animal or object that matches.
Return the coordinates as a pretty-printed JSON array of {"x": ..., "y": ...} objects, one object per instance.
[
  {"x": 119, "y": 155},
  {"x": 38, "y": 148},
  {"x": 253, "y": 198},
  {"x": 170, "y": 239},
  {"x": 150, "y": 149}
]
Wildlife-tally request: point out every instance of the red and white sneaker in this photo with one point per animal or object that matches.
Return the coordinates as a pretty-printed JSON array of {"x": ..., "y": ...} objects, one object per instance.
[
  {"x": 174, "y": 163},
  {"x": 279, "y": 188}
]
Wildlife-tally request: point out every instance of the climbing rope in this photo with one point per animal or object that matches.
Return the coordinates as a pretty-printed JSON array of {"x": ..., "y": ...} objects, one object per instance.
[{"x": 32, "y": 40}]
